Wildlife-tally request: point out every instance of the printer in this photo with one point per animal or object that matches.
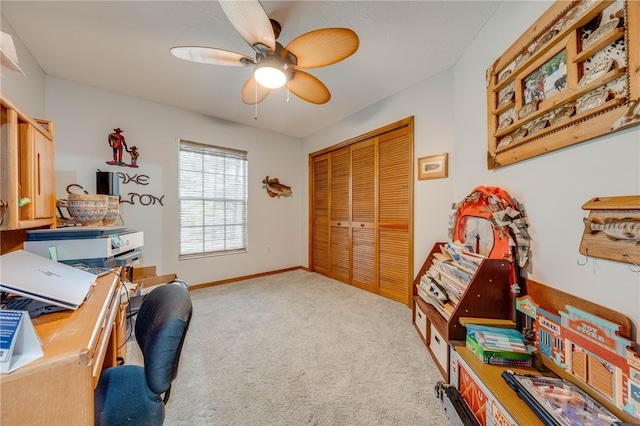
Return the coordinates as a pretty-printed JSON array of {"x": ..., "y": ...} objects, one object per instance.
[{"x": 104, "y": 247}]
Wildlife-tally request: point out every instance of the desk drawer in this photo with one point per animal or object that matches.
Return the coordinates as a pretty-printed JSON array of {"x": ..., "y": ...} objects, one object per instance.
[
  {"x": 439, "y": 347},
  {"x": 106, "y": 344}
]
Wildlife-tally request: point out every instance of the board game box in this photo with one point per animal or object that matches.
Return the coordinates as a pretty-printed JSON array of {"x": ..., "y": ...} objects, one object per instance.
[{"x": 558, "y": 402}]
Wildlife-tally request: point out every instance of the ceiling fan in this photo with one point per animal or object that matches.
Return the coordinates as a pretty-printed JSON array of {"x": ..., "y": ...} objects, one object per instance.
[{"x": 275, "y": 65}]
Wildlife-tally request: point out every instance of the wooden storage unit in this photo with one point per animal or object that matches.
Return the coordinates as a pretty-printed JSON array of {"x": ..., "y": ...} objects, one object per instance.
[
  {"x": 361, "y": 204},
  {"x": 500, "y": 405},
  {"x": 483, "y": 383},
  {"x": 27, "y": 170},
  {"x": 486, "y": 296}
]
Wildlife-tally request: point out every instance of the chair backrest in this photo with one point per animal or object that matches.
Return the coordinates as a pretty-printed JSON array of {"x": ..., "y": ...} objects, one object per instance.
[{"x": 161, "y": 326}]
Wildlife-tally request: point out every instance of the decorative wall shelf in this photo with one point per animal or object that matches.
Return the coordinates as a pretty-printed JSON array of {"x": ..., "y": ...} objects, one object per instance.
[{"x": 547, "y": 67}]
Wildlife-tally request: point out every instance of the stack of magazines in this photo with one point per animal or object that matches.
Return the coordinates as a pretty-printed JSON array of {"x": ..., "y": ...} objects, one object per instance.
[{"x": 447, "y": 278}]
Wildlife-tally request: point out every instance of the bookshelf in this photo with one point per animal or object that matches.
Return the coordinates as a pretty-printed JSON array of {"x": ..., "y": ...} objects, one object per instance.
[{"x": 487, "y": 295}]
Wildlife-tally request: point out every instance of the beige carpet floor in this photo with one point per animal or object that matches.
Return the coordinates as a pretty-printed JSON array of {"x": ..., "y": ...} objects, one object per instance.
[{"x": 298, "y": 348}]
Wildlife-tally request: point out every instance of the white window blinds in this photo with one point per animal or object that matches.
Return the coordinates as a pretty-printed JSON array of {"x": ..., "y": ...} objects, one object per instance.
[{"x": 212, "y": 194}]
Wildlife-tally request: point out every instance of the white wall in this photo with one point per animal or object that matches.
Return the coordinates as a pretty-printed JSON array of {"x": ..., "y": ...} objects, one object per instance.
[
  {"x": 450, "y": 115},
  {"x": 26, "y": 90},
  {"x": 84, "y": 116}
]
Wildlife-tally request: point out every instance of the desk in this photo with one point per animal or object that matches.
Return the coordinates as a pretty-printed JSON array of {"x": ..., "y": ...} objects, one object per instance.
[{"x": 57, "y": 389}]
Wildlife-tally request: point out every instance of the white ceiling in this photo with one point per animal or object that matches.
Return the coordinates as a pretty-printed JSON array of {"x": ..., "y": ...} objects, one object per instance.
[{"x": 123, "y": 46}]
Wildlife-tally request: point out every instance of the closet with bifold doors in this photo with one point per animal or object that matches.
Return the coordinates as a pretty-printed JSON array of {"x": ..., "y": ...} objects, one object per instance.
[{"x": 361, "y": 211}]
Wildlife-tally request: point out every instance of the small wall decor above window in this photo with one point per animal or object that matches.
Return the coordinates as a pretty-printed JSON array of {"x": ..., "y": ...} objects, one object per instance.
[
  {"x": 572, "y": 76},
  {"x": 433, "y": 166}
]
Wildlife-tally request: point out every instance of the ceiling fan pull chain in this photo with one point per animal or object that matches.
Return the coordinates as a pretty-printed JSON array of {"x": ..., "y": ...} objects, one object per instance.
[
  {"x": 288, "y": 92},
  {"x": 255, "y": 116}
]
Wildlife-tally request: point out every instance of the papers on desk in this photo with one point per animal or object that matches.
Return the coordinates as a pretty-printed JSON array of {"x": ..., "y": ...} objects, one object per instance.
[{"x": 19, "y": 343}]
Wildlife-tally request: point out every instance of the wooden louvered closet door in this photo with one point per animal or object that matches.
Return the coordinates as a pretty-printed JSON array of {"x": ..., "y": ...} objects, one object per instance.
[
  {"x": 363, "y": 215},
  {"x": 394, "y": 217},
  {"x": 319, "y": 224},
  {"x": 361, "y": 206},
  {"x": 339, "y": 198}
]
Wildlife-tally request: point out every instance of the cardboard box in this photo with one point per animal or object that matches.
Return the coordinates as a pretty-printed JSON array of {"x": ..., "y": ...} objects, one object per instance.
[
  {"x": 136, "y": 273},
  {"x": 149, "y": 283}
]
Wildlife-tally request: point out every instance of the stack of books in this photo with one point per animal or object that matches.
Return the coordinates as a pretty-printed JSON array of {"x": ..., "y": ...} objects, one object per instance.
[
  {"x": 447, "y": 278},
  {"x": 500, "y": 346}
]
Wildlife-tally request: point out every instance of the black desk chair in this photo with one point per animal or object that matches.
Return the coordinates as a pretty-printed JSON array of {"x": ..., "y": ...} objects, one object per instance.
[{"x": 131, "y": 394}]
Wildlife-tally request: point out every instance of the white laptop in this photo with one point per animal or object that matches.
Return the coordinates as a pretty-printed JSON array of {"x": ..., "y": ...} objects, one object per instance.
[{"x": 42, "y": 279}]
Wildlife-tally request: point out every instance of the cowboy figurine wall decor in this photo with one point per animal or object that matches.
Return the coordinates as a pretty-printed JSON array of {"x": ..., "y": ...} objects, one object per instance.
[
  {"x": 118, "y": 144},
  {"x": 133, "y": 152}
]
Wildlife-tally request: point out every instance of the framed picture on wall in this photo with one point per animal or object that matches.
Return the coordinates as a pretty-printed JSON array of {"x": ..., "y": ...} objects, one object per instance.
[{"x": 433, "y": 166}]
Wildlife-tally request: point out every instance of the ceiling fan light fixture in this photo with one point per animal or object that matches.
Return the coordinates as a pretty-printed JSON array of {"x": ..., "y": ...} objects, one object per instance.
[{"x": 270, "y": 74}]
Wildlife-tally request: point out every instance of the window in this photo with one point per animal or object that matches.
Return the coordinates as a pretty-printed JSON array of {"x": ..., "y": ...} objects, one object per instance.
[{"x": 212, "y": 194}]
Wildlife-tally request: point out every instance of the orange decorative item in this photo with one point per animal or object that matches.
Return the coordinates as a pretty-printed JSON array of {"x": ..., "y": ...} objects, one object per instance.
[{"x": 490, "y": 222}]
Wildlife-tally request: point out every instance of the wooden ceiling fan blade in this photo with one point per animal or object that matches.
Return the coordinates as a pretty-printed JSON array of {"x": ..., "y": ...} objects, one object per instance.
[
  {"x": 211, "y": 56},
  {"x": 252, "y": 23},
  {"x": 307, "y": 87},
  {"x": 249, "y": 94},
  {"x": 323, "y": 47}
]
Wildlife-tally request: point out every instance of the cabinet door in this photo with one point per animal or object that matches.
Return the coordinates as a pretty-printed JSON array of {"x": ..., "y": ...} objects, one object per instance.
[
  {"x": 37, "y": 174},
  {"x": 394, "y": 214},
  {"x": 339, "y": 167},
  {"x": 320, "y": 215},
  {"x": 9, "y": 167},
  {"x": 45, "y": 177},
  {"x": 363, "y": 216}
]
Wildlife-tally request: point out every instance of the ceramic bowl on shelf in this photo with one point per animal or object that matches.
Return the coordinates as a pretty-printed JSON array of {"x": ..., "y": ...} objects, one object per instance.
[
  {"x": 88, "y": 209},
  {"x": 113, "y": 210}
]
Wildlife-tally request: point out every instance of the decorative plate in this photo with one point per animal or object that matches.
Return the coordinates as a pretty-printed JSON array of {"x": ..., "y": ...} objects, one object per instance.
[
  {"x": 596, "y": 72},
  {"x": 528, "y": 108},
  {"x": 522, "y": 58},
  {"x": 505, "y": 141},
  {"x": 504, "y": 75},
  {"x": 571, "y": 16},
  {"x": 562, "y": 114},
  {"x": 537, "y": 126},
  {"x": 519, "y": 134},
  {"x": 506, "y": 98},
  {"x": 592, "y": 100},
  {"x": 545, "y": 39},
  {"x": 600, "y": 32},
  {"x": 505, "y": 122}
]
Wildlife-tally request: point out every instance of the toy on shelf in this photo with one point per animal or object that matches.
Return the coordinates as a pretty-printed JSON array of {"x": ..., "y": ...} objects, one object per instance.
[{"x": 588, "y": 348}]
